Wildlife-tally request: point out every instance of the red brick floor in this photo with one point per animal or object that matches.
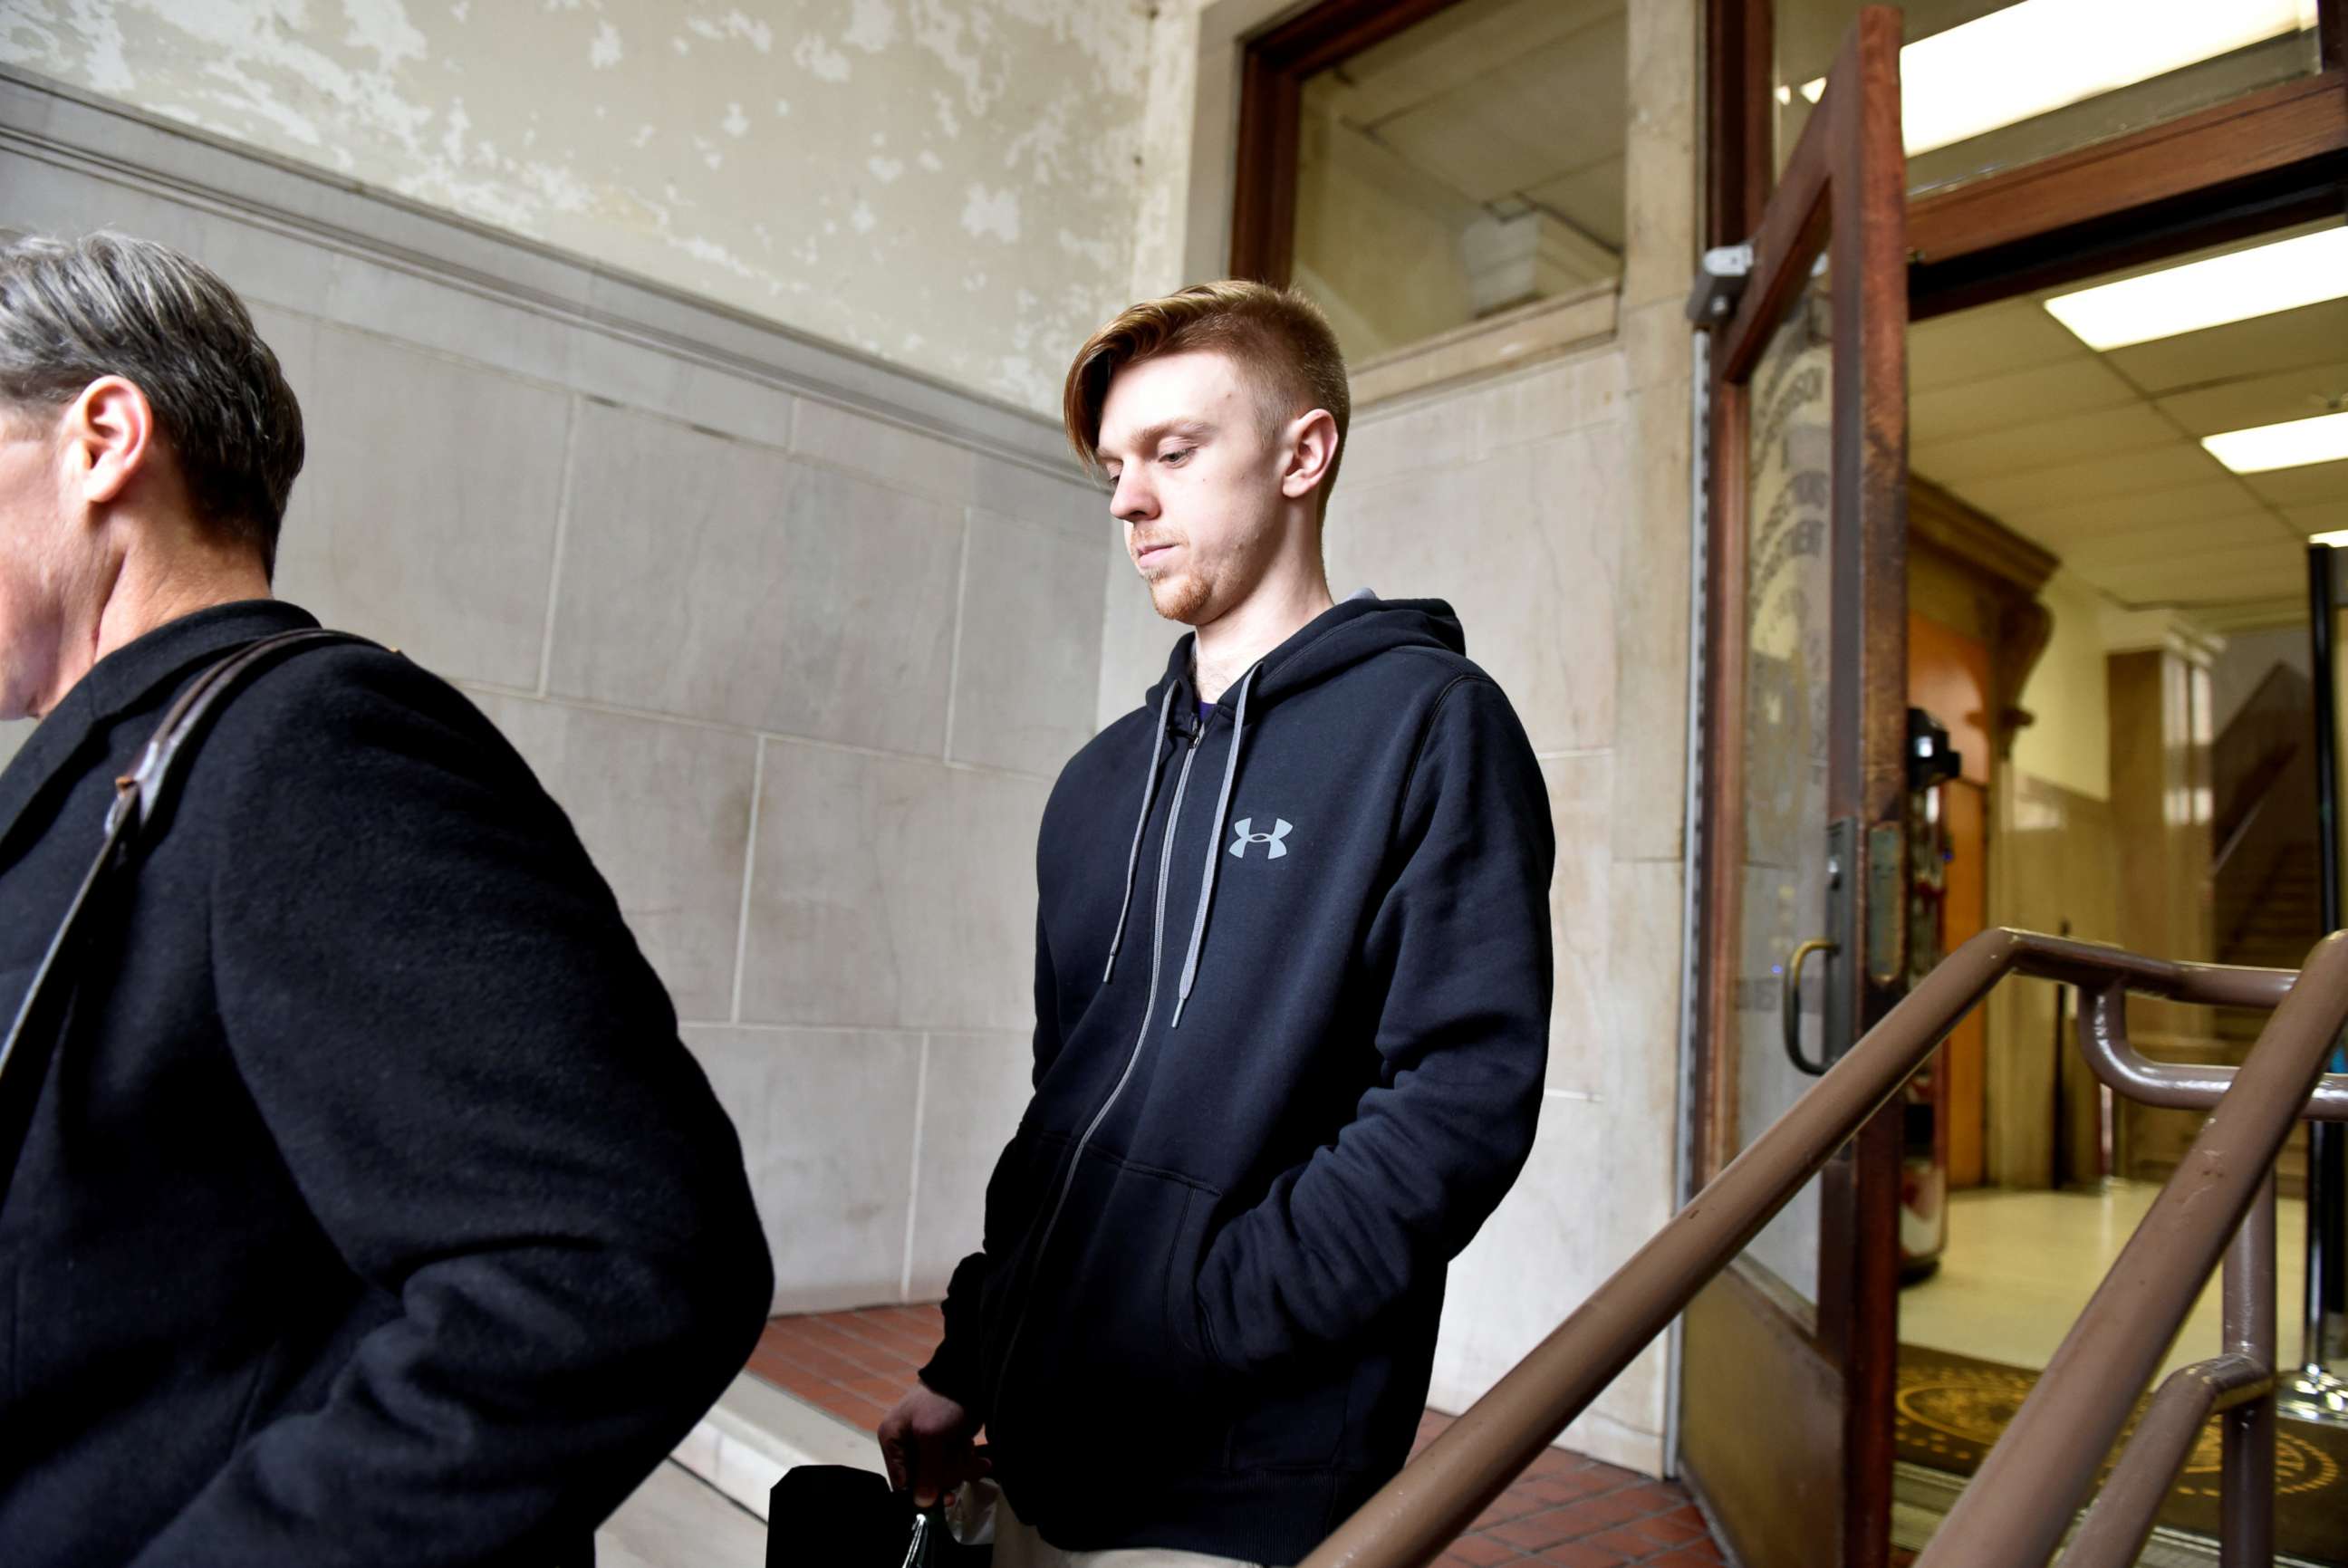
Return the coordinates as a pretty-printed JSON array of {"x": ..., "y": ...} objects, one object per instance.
[{"x": 1566, "y": 1511}]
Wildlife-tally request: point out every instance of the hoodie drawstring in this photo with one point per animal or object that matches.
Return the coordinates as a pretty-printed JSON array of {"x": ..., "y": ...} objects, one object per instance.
[
  {"x": 1133, "y": 858},
  {"x": 1214, "y": 849}
]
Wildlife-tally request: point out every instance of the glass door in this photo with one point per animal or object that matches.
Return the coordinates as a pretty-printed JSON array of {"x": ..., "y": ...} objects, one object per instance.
[{"x": 1789, "y": 1357}]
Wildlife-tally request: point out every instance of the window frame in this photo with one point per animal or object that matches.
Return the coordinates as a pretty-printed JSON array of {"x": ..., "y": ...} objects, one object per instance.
[{"x": 1273, "y": 69}]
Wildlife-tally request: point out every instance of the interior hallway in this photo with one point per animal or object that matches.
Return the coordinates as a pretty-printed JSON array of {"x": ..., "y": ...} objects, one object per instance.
[{"x": 2020, "y": 1267}]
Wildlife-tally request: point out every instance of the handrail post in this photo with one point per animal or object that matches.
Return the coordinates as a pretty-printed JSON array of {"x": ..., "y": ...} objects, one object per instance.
[
  {"x": 2246, "y": 1482},
  {"x": 2117, "y": 1344}
]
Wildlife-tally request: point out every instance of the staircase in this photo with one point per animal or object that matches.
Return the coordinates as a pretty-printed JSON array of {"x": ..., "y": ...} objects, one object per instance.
[{"x": 2286, "y": 916}]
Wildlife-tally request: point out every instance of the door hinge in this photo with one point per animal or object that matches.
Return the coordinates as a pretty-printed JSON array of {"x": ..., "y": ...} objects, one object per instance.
[{"x": 1719, "y": 281}]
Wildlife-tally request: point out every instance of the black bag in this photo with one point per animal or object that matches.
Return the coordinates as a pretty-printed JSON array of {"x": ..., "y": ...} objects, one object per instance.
[{"x": 836, "y": 1516}]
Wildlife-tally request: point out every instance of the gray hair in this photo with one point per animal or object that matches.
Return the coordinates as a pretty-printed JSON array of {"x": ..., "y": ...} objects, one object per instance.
[{"x": 72, "y": 311}]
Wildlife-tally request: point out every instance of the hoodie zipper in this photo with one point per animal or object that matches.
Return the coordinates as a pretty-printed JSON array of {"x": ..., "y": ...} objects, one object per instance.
[{"x": 1149, "y": 1007}]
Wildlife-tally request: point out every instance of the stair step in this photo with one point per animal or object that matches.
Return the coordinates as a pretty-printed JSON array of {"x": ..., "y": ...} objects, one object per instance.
[{"x": 757, "y": 1432}]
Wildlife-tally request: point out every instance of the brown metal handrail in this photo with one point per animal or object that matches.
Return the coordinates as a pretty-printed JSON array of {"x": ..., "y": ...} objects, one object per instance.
[{"x": 2093, "y": 1380}]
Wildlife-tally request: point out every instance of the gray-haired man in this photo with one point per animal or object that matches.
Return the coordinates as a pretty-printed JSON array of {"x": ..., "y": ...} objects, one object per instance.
[{"x": 362, "y": 1206}]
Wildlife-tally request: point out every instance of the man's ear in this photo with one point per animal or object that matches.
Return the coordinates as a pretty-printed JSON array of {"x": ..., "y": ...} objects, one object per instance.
[
  {"x": 1312, "y": 451},
  {"x": 108, "y": 436}
]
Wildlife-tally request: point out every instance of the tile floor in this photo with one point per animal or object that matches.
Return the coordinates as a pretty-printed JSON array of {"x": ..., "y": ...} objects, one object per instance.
[
  {"x": 1566, "y": 1511},
  {"x": 2020, "y": 1267}
]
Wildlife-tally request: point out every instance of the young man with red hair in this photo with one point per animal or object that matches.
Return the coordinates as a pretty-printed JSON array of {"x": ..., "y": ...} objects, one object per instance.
[{"x": 1292, "y": 1018}]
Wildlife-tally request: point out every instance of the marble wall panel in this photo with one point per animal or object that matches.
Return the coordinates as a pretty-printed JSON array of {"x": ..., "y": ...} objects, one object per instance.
[
  {"x": 1071, "y": 502},
  {"x": 624, "y": 370},
  {"x": 889, "y": 892},
  {"x": 1581, "y": 1024},
  {"x": 664, "y": 807},
  {"x": 1662, "y": 167},
  {"x": 428, "y": 506},
  {"x": 1651, "y": 631},
  {"x": 886, "y": 453},
  {"x": 826, "y": 1118},
  {"x": 1531, "y": 1263},
  {"x": 1027, "y": 667},
  {"x": 1646, "y": 914},
  {"x": 974, "y": 1088},
  {"x": 713, "y": 594},
  {"x": 724, "y": 581},
  {"x": 1586, "y": 389},
  {"x": 1522, "y": 545},
  {"x": 1406, "y": 437},
  {"x": 434, "y": 314}
]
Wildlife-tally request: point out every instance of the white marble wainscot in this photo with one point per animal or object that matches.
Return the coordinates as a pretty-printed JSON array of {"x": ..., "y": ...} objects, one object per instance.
[{"x": 797, "y": 639}]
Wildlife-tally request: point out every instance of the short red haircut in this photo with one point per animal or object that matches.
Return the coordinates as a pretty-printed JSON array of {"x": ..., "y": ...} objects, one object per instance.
[{"x": 1278, "y": 339}]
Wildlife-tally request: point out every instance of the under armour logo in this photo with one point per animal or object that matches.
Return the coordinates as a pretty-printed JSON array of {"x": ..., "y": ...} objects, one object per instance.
[{"x": 1280, "y": 829}]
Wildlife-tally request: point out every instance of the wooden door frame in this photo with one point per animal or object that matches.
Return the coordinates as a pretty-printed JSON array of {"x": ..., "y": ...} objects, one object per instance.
[
  {"x": 1843, "y": 195},
  {"x": 1273, "y": 69}
]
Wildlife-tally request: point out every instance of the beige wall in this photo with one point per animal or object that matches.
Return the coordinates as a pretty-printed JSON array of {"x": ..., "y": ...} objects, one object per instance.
[
  {"x": 947, "y": 185},
  {"x": 2070, "y": 743}
]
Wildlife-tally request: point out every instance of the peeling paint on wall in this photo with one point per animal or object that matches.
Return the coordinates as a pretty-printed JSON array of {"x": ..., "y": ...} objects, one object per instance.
[{"x": 951, "y": 184}]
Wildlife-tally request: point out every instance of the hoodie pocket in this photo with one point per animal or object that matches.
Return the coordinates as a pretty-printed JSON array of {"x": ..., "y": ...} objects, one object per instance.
[
  {"x": 1113, "y": 1311},
  {"x": 1291, "y": 1424},
  {"x": 1016, "y": 1196}
]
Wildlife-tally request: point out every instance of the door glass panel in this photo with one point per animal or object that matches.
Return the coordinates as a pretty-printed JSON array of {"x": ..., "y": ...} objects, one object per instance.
[
  {"x": 1991, "y": 84},
  {"x": 1787, "y": 607}
]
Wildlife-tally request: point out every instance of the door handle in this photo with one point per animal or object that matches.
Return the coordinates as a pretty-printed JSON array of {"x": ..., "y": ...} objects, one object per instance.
[{"x": 1790, "y": 1001}]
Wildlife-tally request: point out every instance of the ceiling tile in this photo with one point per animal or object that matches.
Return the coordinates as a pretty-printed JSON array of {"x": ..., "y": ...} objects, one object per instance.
[
  {"x": 2018, "y": 398},
  {"x": 2300, "y": 393},
  {"x": 2205, "y": 537},
  {"x": 2063, "y": 528},
  {"x": 2011, "y": 498},
  {"x": 1995, "y": 340},
  {"x": 2253, "y": 576},
  {"x": 2259, "y": 346},
  {"x": 2315, "y": 484},
  {"x": 2046, "y": 443},
  {"x": 2307, "y": 520}
]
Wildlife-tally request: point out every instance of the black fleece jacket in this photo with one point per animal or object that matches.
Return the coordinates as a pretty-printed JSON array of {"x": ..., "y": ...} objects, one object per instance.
[
  {"x": 372, "y": 1212},
  {"x": 1292, "y": 1029}
]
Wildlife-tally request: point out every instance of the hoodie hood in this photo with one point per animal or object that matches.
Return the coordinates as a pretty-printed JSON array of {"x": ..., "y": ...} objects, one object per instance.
[{"x": 1354, "y": 629}]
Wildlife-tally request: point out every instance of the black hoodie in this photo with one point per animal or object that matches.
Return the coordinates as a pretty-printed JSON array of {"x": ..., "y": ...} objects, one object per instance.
[{"x": 1289, "y": 1053}]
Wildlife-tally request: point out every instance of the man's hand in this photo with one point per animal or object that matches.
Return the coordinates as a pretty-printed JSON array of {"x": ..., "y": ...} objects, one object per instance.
[{"x": 926, "y": 1443}]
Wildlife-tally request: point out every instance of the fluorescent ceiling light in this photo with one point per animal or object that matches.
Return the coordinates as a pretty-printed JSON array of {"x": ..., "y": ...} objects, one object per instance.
[
  {"x": 2295, "y": 442},
  {"x": 2262, "y": 281},
  {"x": 2040, "y": 55},
  {"x": 2336, "y": 538}
]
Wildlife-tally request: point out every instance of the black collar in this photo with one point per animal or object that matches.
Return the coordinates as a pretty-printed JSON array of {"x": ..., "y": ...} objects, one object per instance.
[{"x": 122, "y": 682}]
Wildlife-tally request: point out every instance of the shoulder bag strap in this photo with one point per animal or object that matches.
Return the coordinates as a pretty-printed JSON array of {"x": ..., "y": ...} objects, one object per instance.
[{"x": 139, "y": 796}]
